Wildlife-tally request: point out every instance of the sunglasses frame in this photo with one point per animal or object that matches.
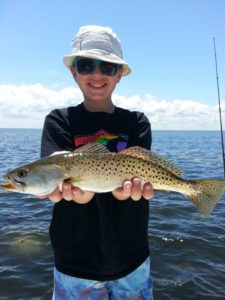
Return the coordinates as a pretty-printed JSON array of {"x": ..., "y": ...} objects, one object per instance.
[{"x": 94, "y": 64}]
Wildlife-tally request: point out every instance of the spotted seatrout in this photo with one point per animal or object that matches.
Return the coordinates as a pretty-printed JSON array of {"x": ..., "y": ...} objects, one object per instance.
[{"x": 93, "y": 168}]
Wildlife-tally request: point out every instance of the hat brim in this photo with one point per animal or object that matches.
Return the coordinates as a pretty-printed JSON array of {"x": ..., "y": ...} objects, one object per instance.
[{"x": 98, "y": 54}]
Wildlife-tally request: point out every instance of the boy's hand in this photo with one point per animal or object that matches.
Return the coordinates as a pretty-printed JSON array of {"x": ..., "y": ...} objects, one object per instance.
[
  {"x": 69, "y": 193},
  {"x": 130, "y": 189},
  {"x": 133, "y": 189}
]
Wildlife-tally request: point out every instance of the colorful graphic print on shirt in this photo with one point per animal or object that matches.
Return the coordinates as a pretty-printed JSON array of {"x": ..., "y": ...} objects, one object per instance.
[{"x": 114, "y": 142}]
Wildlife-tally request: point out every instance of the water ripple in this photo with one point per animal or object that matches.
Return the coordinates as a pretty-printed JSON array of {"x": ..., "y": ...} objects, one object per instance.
[{"x": 187, "y": 249}]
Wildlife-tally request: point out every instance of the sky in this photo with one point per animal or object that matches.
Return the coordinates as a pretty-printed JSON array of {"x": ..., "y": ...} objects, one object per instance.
[{"x": 168, "y": 44}]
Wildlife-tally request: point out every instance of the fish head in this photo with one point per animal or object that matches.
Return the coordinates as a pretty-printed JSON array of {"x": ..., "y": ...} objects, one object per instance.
[{"x": 33, "y": 179}]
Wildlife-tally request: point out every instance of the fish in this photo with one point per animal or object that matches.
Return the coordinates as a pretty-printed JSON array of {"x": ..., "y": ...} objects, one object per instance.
[{"x": 94, "y": 168}]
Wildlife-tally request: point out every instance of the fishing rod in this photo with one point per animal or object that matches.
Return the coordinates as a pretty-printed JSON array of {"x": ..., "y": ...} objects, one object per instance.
[{"x": 218, "y": 94}]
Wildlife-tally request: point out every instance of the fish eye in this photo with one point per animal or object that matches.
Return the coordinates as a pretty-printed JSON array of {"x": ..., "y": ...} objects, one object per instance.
[{"x": 22, "y": 173}]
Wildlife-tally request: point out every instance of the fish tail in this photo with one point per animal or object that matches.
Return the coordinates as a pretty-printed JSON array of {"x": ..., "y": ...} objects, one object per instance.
[{"x": 206, "y": 193}]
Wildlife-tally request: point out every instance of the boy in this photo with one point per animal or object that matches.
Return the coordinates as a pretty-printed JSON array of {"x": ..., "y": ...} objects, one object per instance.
[{"x": 100, "y": 243}]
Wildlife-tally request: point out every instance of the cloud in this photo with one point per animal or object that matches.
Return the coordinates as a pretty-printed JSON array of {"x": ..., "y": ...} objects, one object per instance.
[
  {"x": 176, "y": 114},
  {"x": 27, "y": 105}
]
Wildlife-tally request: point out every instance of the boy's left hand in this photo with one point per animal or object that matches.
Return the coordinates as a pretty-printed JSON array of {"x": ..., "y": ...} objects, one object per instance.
[{"x": 133, "y": 189}]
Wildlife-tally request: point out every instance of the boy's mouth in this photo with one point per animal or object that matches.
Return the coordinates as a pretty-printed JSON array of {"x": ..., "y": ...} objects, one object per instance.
[{"x": 97, "y": 85}]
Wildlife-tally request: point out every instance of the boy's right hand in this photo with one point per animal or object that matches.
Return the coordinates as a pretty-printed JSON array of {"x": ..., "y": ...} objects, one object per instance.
[{"x": 69, "y": 193}]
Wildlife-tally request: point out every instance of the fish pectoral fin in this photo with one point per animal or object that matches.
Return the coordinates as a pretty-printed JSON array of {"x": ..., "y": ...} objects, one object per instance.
[
  {"x": 156, "y": 159},
  {"x": 73, "y": 180},
  {"x": 92, "y": 148}
]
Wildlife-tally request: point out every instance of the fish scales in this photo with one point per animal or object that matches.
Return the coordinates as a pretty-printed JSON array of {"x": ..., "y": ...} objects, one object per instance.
[{"x": 107, "y": 171}]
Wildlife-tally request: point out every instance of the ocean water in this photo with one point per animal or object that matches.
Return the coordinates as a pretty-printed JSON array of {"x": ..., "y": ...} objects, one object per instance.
[{"x": 187, "y": 249}]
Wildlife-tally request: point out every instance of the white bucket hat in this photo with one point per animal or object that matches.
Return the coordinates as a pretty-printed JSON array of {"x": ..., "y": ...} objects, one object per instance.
[{"x": 97, "y": 42}]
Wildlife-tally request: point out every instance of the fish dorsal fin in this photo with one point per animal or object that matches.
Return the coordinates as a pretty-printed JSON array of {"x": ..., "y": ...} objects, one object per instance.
[
  {"x": 144, "y": 154},
  {"x": 92, "y": 148}
]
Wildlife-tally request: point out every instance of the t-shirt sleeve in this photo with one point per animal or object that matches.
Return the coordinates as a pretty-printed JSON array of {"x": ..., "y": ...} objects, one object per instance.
[
  {"x": 56, "y": 135},
  {"x": 141, "y": 131}
]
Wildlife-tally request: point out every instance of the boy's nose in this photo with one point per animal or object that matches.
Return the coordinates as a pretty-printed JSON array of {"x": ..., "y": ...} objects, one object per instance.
[{"x": 96, "y": 71}]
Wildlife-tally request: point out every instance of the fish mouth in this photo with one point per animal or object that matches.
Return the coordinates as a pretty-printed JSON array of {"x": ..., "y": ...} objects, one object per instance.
[
  {"x": 12, "y": 184},
  {"x": 7, "y": 186}
]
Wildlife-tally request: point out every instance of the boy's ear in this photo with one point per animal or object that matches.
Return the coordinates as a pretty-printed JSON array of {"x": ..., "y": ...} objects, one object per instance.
[
  {"x": 119, "y": 75},
  {"x": 74, "y": 72}
]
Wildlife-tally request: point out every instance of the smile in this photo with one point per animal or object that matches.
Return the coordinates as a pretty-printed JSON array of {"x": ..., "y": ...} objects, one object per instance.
[{"x": 97, "y": 85}]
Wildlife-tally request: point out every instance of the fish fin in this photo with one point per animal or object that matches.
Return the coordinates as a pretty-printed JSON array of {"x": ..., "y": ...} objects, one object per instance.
[
  {"x": 206, "y": 193},
  {"x": 144, "y": 154},
  {"x": 59, "y": 152},
  {"x": 92, "y": 148},
  {"x": 73, "y": 180}
]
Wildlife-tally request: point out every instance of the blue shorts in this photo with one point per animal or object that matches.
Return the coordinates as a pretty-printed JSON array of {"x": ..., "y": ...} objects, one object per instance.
[{"x": 134, "y": 286}]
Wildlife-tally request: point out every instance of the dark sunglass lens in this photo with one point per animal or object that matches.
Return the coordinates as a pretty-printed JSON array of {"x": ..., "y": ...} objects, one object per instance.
[
  {"x": 108, "y": 69},
  {"x": 85, "y": 66}
]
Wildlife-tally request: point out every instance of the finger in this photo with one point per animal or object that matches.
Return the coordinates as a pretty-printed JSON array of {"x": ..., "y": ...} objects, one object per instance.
[
  {"x": 127, "y": 187},
  {"x": 55, "y": 196},
  {"x": 136, "y": 191},
  {"x": 67, "y": 191},
  {"x": 80, "y": 196},
  {"x": 124, "y": 192},
  {"x": 118, "y": 193},
  {"x": 148, "y": 191}
]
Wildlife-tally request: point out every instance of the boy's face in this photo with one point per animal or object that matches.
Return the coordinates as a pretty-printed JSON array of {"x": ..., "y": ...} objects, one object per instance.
[{"x": 96, "y": 86}]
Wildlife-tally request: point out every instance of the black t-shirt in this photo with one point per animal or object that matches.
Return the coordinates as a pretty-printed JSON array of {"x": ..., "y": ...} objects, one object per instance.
[{"x": 104, "y": 239}]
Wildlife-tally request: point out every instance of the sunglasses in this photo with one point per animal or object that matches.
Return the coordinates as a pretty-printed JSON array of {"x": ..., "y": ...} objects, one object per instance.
[{"x": 86, "y": 66}]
